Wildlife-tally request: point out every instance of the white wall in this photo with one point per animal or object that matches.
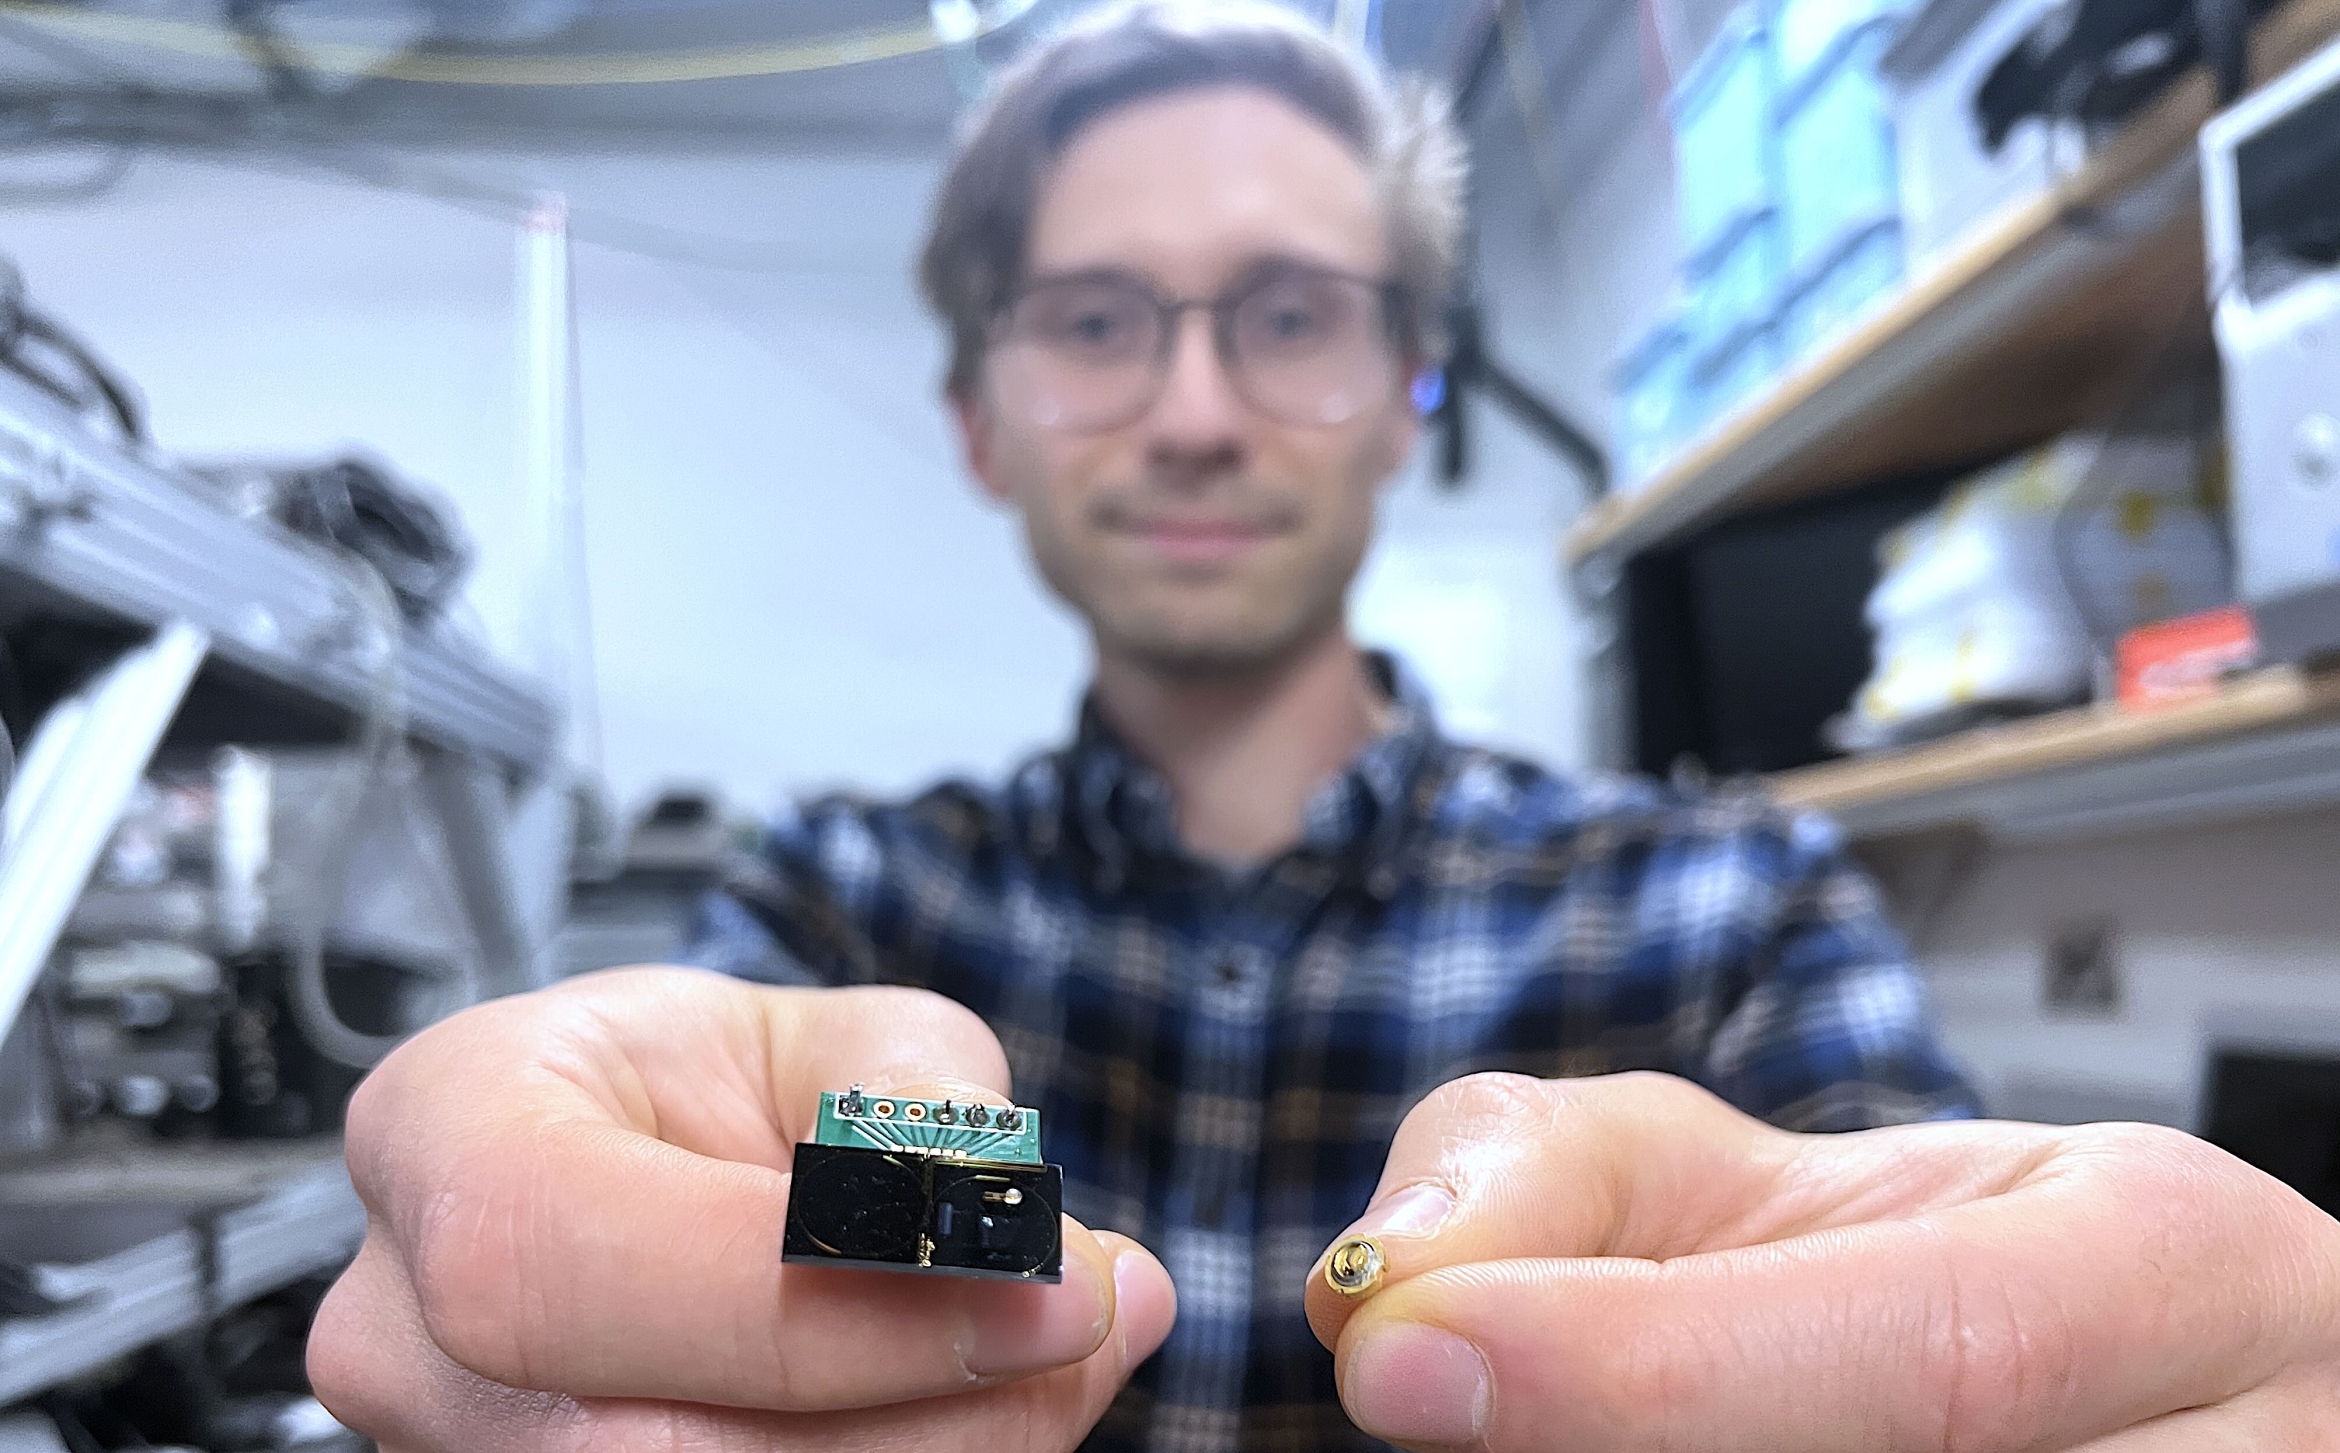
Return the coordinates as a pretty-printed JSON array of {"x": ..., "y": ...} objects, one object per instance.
[
  {"x": 2220, "y": 933},
  {"x": 791, "y": 585}
]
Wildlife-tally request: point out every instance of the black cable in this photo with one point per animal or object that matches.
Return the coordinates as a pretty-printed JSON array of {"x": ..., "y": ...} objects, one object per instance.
[
  {"x": 123, "y": 155},
  {"x": 254, "y": 24},
  {"x": 350, "y": 503},
  {"x": 1471, "y": 368},
  {"x": 1529, "y": 408},
  {"x": 2120, "y": 55},
  {"x": 20, "y": 1296},
  {"x": 70, "y": 1428},
  {"x": 2225, "y": 30},
  {"x": 117, "y": 396},
  {"x": 25, "y": 335},
  {"x": 41, "y": 380}
]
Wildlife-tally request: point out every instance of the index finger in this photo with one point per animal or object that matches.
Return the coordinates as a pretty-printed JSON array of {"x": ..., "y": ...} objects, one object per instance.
[
  {"x": 1675, "y": 1278},
  {"x": 1495, "y": 1166},
  {"x": 574, "y": 1218}
]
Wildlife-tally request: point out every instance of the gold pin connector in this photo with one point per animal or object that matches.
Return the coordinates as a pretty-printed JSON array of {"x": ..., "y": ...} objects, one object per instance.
[{"x": 1354, "y": 1267}]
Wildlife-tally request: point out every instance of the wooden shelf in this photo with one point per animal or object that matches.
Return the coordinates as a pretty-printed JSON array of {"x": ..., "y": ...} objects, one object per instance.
[
  {"x": 2010, "y": 339},
  {"x": 2271, "y": 739}
]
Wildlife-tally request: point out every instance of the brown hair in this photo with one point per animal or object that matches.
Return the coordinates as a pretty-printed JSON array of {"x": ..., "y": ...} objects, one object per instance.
[{"x": 1143, "y": 48}]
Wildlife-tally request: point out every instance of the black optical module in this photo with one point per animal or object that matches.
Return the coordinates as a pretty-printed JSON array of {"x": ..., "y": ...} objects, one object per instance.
[{"x": 926, "y": 1185}]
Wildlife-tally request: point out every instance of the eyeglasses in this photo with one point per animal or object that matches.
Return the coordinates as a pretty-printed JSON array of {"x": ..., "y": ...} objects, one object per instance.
[{"x": 1302, "y": 345}]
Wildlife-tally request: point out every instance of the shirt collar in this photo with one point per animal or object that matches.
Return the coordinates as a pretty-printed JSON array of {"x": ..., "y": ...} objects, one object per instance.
[{"x": 1121, "y": 807}]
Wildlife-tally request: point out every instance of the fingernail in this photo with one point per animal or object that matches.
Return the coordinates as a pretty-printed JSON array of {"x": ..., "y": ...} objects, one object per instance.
[
  {"x": 1416, "y": 1385},
  {"x": 1012, "y": 1331},
  {"x": 1128, "y": 1267},
  {"x": 1140, "y": 1292},
  {"x": 1124, "y": 1269},
  {"x": 1415, "y": 1211}
]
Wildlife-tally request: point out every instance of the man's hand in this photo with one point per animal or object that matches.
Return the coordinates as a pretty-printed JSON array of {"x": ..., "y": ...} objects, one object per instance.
[
  {"x": 576, "y": 1203},
  {"x": 1599, "y": 1265}
]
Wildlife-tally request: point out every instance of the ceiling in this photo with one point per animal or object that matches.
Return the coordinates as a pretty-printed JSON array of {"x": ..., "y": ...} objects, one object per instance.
[{"x": 603, "y": 58}]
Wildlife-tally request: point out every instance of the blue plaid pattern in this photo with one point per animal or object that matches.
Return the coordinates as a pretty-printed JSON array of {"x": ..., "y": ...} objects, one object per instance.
[{"x": 1222, "y": 1058}]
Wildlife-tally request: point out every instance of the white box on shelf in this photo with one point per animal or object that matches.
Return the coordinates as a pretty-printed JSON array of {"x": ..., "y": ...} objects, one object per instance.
[
  {"x": 2002, "y": 596},
  {"x": 1949, "y": 179}
]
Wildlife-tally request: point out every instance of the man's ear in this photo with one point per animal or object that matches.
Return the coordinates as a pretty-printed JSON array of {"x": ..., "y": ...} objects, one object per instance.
[{"x": 977, "y": 427}]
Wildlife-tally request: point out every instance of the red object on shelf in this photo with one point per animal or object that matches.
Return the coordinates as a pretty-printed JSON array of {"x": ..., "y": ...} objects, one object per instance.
[{"x": 2184, "y": 659}]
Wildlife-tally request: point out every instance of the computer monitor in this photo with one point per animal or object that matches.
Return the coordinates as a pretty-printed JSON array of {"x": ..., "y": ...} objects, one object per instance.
[{"x": 2278, "y": 1107}]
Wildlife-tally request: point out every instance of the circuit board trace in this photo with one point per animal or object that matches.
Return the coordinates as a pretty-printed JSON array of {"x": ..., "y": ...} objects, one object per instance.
[{"x": 951, "y": 1129}]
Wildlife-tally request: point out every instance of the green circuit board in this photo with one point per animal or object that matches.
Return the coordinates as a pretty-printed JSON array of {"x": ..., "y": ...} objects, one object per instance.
[{"x": 949, "y": 1129}]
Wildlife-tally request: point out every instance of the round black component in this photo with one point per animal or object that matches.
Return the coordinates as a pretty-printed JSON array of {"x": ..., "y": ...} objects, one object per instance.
[
  {"x": 989, "y": 1223},
  {"x": 867, "y": 1207}
]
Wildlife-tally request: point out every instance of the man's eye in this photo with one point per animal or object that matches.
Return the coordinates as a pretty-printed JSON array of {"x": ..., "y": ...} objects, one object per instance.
[
  {"x": 1292, "y": 323},
  {"x": 1090, "y": 329},
  {"x": 1291, "y": 316}
]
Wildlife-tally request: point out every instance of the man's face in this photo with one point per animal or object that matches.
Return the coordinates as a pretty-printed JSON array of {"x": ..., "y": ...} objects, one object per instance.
[{"x": 1203, "y": 535}]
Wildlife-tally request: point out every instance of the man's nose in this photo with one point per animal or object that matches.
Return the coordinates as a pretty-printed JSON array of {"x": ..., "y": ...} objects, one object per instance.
[{"x": 1198, "y": 408}]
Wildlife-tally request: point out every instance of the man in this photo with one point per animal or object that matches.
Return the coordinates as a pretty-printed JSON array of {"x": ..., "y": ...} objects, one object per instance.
[{"x": 1252, "y": 917}]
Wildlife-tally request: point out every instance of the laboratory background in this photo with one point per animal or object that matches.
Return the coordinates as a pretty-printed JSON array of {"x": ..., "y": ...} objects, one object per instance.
[{"x": 464, "y": 464}]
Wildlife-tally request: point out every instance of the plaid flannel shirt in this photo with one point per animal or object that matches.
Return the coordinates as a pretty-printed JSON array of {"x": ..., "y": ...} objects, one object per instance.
[{"x": 1222, "y": 1058}]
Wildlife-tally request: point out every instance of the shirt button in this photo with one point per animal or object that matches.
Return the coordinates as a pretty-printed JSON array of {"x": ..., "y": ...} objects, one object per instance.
[{"x": 1230, "y": 968}]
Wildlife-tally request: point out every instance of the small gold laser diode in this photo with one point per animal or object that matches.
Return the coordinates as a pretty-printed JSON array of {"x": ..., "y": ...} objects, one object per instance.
[{"x": 1355, "y": 1266}]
